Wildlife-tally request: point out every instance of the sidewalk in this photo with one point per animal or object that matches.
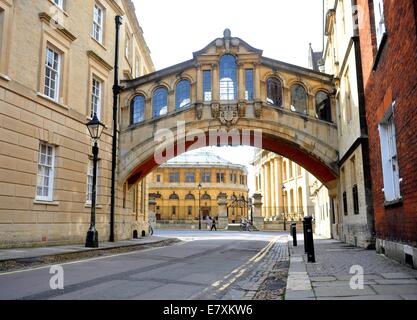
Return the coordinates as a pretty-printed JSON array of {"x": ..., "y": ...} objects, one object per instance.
[
  {"x": 329, "y": 278},
  {"x": 38, "y": 252}
]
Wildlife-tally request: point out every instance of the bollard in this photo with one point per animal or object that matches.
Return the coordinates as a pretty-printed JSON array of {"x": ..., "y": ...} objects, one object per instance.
[
  {"x": 310, "y": 244},
  {"x": 305, "y": 235},
  {"x": 294, "y": 233}
]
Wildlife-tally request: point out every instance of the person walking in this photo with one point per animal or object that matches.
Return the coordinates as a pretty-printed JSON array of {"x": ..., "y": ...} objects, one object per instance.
[{"x": 213, "y": 224}]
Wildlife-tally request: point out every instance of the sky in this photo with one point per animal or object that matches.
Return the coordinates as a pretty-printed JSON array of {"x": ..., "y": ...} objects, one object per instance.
[{"x": 283, "y": 29}]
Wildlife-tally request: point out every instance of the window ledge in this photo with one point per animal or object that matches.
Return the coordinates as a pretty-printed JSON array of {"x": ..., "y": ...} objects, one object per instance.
[
  {"x": 98, "y": 42},
  {"x": 45, "y": 202},
  {"x": 41, "y": 95},
  {"x": 379, "y": 52},
  {"x": 88, "y": 205},
  {"x": 393, "y": 203},
  {"x": 5, "y": 77}
]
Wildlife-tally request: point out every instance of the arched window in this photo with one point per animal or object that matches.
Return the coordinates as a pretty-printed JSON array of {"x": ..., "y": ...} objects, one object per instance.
[
  {"x": 189, "y": 196},
  {"x": 221, "y": 195},
  {"x": 137, "y": 110},
  {"x": 182, "y": 94},
  {"x": 174, "y": 196},
  {"x": 274, "y": 92},
  {"x": 160, "y": 102},
  {"x": 323, "y": 106},
  {"x": 205, "y": 196},
  {"x": 298, "y": 99},
  {"x": 228, "y": 78}
]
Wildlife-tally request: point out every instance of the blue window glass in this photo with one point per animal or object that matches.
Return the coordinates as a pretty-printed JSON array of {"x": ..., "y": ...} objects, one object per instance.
[
  {"x": 137, "y": 110},
  {"x": 160, "y": 102},
  {"x": 228, "y": 76},
  {"x": 249, "y": 84},
  {"x": 182, "y": 94},
  {"x": 298, "y": 99},
  {"x": 207, "y": 85}
]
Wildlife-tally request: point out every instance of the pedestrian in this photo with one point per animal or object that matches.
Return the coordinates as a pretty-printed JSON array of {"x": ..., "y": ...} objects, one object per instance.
[{"x": 213, "y": 224}]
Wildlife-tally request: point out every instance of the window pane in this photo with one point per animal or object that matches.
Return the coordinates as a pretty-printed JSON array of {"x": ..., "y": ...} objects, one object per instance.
[
  {"x": 207, "y": 85},
  {"x": 323, "y": 106},
  {"x": 298, "y": 99},
  {"x": 44, "y": 181},
  {"x": 228, "y": 76},
  {"x": 160, "y": 102},
  {"x": 274, "y": 90},
  {"x": 137, "y": 110},
  {"x": 182, "y": 94},
  {"x": 249, "y": 84}
]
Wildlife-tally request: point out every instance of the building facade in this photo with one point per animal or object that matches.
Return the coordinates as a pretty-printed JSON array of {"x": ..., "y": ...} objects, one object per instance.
[
  {"x": 56, "y": 71},
  {"x": 387, "y": 31},
  {"x": 290, "y": 192},
  {"x": 353, "y": 219},
  {"x": 174, "y": 186}
]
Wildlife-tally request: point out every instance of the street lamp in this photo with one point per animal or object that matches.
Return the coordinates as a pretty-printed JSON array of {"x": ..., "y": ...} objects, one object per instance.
[
  {"x": 95, "y": 127},
  {"x": 199, "y": 206}
]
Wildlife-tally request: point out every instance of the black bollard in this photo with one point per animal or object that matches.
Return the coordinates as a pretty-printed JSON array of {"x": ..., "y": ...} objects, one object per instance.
[
  {"x": 294, "y": 233},
  {"x": 305, "y": 235},
  {"x": 310, "y": 244}
]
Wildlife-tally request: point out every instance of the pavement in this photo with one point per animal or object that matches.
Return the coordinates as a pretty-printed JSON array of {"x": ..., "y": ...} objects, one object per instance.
[
  {"x": 336, "y": 275},
  {"x": 202, "y": 265},
  {"x": 37, "y": 252}
]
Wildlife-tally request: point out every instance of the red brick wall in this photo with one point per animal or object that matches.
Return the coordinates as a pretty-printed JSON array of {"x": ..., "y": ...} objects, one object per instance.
[{"x": 395, "y": 78}]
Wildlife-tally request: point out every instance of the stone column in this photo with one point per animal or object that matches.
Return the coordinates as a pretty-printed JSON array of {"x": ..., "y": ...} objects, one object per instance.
[
  {"x": 278, "y": 183},
  {"x": 215, "y": 83},
  {"x": 272, "y": 187},
  {"x": 222, "y": 207},
  {"x": 258, "y": 220},
  {"x": 266, "y": 190},
  {"x": 311, "y": 109},
  {"x": 263, "y": 183},
  {"x": 171, "y": 100},
  {"x": 199, "y": 85},
  {"x": 241, "y": 83},
  {"x": 152, "y": 212},
  {"x": 256, "y": 82}
]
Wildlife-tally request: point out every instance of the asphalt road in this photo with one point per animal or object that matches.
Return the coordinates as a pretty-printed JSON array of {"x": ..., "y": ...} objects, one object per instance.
[{"x": 179, "y": 272}]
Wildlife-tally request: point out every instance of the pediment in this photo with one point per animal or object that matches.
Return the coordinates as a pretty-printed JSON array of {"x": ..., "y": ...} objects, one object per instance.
[{"x": 227, "y": 44}]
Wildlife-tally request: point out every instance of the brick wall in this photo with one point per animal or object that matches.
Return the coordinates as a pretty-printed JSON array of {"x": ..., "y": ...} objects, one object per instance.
[{"x": 393, "y": 78}]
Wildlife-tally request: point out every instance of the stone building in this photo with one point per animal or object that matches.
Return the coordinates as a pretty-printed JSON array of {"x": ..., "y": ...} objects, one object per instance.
[
  {"x": 353, "y": 218},
  {"x": 174, "y": 186},
  {"x": 290, "y": 192},
  {"x": 56, "y": 71},
  {"x": 387, "y": 31}
]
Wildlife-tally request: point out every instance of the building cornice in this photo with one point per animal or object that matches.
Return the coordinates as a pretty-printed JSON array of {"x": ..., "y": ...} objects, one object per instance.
[
  {"x": 46, "y": 18},
  {"x": 94, "y": 56}
]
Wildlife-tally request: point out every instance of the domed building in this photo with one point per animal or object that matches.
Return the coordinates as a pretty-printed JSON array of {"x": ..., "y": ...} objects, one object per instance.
[{"x": 175, "y": 188}]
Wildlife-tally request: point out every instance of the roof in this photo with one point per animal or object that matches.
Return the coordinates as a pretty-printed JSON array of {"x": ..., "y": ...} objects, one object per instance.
[{"x": 201, "y": 158}]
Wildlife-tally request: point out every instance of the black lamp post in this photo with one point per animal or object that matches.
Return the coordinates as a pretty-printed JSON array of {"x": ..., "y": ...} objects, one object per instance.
[
  {"x": 199, "y": 206},
  {"x": 95, "y": 127}
]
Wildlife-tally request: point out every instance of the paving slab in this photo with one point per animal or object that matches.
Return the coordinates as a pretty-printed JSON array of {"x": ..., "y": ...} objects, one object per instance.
[
  {"x": 404, "y": 289},
  {"x": 323, "y": 279},
  {"x": 370, "y": 297},
  {"x": 409, "y": 296},
  {"x": 342, "y": 292},
  {"x": 338, "y": 283},
  {"x": 396, "y": 281},
  {"x": 398, "y": 275},
  {"x": 299, "y": 295}
]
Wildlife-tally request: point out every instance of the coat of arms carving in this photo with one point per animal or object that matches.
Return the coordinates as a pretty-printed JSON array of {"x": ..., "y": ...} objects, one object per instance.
[{"x": 229, "y": 115}]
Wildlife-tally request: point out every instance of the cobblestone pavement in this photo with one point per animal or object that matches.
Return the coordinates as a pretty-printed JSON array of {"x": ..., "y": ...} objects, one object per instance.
[
  {"x": 261, "y": 278},
  {"x": 331, "y": 276}
]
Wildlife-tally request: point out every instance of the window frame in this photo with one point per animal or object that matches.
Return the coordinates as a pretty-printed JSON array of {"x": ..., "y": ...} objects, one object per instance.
[
  {"x": 269, "y": 97},
  {"x": 97, "y": 24},
  {"x": 249, "y": 95},
  {"x": 89, "y": 192},
  {"x": 292, "y": 95},
  {"x": 159, "y": 89},
  {"x": 50, "y": 196},
  {"x": 207, "y": 94},
  {"x": 225, "y": 89},
  {"x": 95, "y": 96},
  {"x": 379, "y": 22},
  {"x": 60, "y": 4},
  {"x": 329, "y": 111},
  {"x": 58, "y": 72},
  {"x": 132, "y": 110},
  {"x": 182, "y": 88},
  {"x": 175, "y": 174}
]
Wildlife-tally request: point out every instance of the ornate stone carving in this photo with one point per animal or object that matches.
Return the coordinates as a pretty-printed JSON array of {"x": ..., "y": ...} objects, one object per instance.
[
  {"x": 257, "y": 109},
  {"x": 215, "y": 109},
  {"x": 199, "y": 111},
  {"x": 242, "y": 109},
  {"x": 229, "y": 114}
]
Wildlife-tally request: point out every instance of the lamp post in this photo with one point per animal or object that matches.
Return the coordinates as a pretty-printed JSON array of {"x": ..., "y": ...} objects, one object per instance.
[
  {"x": 95, "y": 127},
  {"x": 283, "y": 196},
  {"x": 199, "y": 206}
]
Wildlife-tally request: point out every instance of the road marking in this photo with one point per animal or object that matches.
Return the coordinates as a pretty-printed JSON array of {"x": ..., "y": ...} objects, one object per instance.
[{"x": 86, "y": 260}]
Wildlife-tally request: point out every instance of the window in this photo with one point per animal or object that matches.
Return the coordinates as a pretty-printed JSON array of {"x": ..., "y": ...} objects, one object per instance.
[
  {"x": 274, "y": 92},
  {"x": 174, "y": 177},
  {"x": 45, "y": 178},
  {"x": 291, "y": 170},
  {"x": 158, "y": 178},
  {"x": 390, "y": 170},
  {"x": 137, "y": 66},
  {"x": 90, "y": 182},
  {"x": 228, "y": 76},
  {"x": 220, "y": 177},
  {"x": 189, "y": 177},
  {"x": 205, "y": 196},
  {"x": 98, "y": 23},
  {"x": 96, "y": 98},
  {"x": 345, "y": 206},
  {"x": 189, "y": 196},
  {"x": 298, "y": 99},
  {"x": 284, "y": 171},
  {"x": 207, "y": 85},
  {"x": 299, "y": 171},
  {"x": 355, "y": 199},
  {"x": 206, "y": 177},
  {"x": 127, "y": 46},
  {"x": 249, "y": 84},
  {"x": 137, "y": 110},
  {"x": 182, "y": 94},
  {"x": 323, "y": 106},
  {"x": 160, "y": 102},
  {"x": 190, "y": 210},
  {"x": 52, "y": 74},
  {"x": 379, "y": 21},
  {"x": 174, "y": 196},
  {"x": 173, "y": 210},
  {"x": 59, "y": 4}
]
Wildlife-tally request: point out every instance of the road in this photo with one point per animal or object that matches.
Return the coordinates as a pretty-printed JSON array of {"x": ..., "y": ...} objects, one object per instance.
[{"x": 202, "y": 263}]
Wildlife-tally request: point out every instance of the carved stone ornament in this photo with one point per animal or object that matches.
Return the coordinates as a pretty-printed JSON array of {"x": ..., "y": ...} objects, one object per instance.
[
  {"x": 242, "y": 109},
  {"x": 258, "y": 109},
  {"x": 229, "y": 115},
  {"x": 199, "y": 111},
  {"x": 215, "y": 110}
]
